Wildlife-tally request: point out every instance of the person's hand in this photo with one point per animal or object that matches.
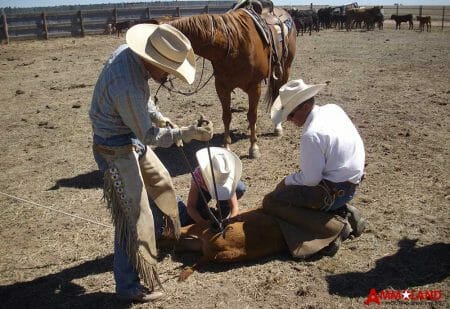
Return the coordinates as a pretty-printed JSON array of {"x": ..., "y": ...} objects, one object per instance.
[
  {"x": 203, "y": 133},
  {"x": 164, "y": 122}
]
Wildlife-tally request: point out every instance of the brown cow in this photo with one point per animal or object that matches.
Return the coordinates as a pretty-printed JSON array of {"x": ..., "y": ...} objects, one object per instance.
[
  {"x": 248, "y": 236},
  {"x": 424, "y": 20}
]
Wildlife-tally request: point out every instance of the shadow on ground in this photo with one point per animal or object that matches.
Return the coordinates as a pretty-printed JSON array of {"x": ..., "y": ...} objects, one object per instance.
[
  {"x": 58, "y": 291},
  {"x": 409, "y": 267}
]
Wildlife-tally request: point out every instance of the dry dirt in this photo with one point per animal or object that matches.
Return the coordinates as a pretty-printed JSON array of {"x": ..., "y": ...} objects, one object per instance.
[{"x": 395, "y": 85}]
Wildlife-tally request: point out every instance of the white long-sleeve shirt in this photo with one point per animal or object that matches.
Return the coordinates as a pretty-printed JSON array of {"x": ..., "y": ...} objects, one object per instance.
[{"x": 330, "y": 148}]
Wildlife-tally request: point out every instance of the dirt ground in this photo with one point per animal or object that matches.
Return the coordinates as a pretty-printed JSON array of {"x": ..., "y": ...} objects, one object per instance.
[{"x": 395, "y": 85}]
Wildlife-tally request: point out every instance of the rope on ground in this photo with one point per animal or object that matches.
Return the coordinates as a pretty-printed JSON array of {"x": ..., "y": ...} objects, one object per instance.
[{"x": 53, "y": 209}]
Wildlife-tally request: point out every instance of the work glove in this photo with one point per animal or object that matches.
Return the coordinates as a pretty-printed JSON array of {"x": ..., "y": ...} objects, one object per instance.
[
  {"x": 203, "y": 133},
  {"x": 164, "y": 122}
]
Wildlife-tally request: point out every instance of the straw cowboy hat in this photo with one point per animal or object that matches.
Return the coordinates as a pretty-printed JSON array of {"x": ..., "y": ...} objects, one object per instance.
[
  {"x": 227, "y": 168},
  {"x": 292, "y": 94},
  {"x": 165, "y": 47}
]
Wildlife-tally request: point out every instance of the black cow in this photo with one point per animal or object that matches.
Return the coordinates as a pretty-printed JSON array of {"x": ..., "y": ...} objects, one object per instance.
[
  {"x": 403, "y": 19},
  {"x": 305, "y": 20}
]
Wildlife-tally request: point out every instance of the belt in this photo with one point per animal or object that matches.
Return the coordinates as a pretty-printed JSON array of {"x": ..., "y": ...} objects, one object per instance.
[
  {"x": 340, "y": 188},
  {"x": 114, "y": 150}
]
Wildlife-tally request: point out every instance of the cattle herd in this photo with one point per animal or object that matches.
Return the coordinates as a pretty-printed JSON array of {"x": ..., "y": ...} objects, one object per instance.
[
  {"x": 348, "y": 18},
  {"x": 340, "y": 17}
]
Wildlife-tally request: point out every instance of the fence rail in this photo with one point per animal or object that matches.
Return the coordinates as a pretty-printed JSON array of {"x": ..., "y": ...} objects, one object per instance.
[{"x": 79, "y": 23}]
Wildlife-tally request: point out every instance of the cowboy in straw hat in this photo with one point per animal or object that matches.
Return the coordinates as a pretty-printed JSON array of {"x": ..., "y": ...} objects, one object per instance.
[
  {"x": 124, "y": 120},
  {"x": 332, "y": 161},
  {"x": 227, "y": 170}
]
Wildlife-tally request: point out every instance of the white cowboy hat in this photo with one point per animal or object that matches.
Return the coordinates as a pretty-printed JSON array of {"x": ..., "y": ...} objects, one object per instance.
[
  {"x": 292, "y": 94},
  {"x": 165, "y": 47},
  {"x": 227, "y": 168}
]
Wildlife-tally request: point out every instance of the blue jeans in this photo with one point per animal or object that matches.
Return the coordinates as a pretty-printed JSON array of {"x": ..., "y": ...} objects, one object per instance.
[
  {"x": 341, "y": 201},
  {"x": 126, "y": 277}
]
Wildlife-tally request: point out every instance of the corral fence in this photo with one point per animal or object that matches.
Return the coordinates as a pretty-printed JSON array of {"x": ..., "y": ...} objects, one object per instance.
[
  {"x": 50, "y": 24},
  {"x": 47, "y": 24},
  {"x": 440, "y": 15}
]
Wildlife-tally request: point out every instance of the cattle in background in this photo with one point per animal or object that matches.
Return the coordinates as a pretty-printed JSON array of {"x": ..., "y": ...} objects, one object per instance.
[
  {"x": 403, "y": 19},
  {"x": 305, "y": 20},
  {"x": 109, "y": 29},
  {"x": 122, "y": 26},
  {"x": 424, "y": 20},
  {"x": 379, "y": 20},
  {"x": 359, "y": 15},
  {"x": 325, "y": 17}
]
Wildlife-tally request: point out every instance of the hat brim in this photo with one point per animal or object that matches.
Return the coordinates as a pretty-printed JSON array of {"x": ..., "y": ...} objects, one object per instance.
[
  {"x": 227, "y": 187},
  {"x": 137, "y": 39},
  {"x": 279, "y": 112}
]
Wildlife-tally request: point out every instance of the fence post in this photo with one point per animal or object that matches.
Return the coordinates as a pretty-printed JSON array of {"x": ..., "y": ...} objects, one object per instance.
[
  {"x": 311, "y": 6},
  {"x": 177, "y": 12},
  {"x": 397, "y": 9},
  {"x": 148, "y": 13},
  {"x": 420, "y": 11},
  {"x": 206, "y": 11},
  {"x": 44, "y": 25},
  {"x": 80, "y": 17},
  {"x": 115, "y": 16},
  {"x": 5, "y": 28},
  {"x": 443, "y": 17}
]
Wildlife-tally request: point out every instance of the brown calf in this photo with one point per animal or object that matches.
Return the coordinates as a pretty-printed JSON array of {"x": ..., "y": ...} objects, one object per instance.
[
  {"x": 248, "y": 236},
  {"x": 424, "y": 20}
]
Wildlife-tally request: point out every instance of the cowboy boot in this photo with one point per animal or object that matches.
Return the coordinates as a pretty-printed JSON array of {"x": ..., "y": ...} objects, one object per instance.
[
  {"x": 333, "y": 247},
  {"x": 357, "y": 222}
]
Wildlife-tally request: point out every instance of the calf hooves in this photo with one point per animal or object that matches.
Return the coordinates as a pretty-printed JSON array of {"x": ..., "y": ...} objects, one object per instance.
[{"x": 185, "y": 274}]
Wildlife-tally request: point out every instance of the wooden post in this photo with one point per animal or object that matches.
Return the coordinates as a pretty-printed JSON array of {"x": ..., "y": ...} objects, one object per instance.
[
  {"x": 311, "y": 6},
  {"x": 177, "y": 12},
  {"x": 44, "y": 25},
  {"x": 420, "y": 10},
  {"x": 80, "y": 17},
  {"x": 397, "y": 9},
  {"x": 206, "y": 10},
  {"x": 5, "y": 28},
  {"x": 443, "y": 18},
  {"x": 148, "y": 13},
  {"x": 115, "y": 16}
]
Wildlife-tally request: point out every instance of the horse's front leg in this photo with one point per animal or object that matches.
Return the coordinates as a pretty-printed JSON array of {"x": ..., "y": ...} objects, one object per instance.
[
  {"x": 254, "y": 93},
  {"x": 224, "y": 94}
]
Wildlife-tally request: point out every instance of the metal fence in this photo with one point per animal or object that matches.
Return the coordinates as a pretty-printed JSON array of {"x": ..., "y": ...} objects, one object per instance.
[{"x": 79, "y": 23}]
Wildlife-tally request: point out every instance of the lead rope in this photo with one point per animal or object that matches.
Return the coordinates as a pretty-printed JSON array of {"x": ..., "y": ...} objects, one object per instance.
[{"x": 219, "y": 211}]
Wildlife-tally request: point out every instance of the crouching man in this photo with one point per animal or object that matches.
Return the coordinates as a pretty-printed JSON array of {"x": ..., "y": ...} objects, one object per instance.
[{"x": 332, "y": 164}]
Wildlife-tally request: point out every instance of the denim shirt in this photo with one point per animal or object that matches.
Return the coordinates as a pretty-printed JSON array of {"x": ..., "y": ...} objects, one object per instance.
[{"x": 122, "y": 105}]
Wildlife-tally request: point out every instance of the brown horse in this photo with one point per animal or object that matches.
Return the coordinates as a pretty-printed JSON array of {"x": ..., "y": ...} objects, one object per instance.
[{"x": 241, "y": 59}]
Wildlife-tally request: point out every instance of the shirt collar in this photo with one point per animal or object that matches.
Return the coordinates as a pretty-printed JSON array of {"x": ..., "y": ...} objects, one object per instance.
[
  {"x": 140, "y": 64},
  {"x": 311, "y": 115}
]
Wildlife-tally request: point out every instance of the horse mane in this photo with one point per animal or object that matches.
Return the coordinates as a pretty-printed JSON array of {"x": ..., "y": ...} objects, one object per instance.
[{"x": 205, "y": 27}]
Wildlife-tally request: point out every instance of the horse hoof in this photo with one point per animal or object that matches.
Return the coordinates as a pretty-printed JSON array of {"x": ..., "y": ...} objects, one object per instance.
[
  {"x": 254, "y": 153},
  {"x": 278, "y": 131}
]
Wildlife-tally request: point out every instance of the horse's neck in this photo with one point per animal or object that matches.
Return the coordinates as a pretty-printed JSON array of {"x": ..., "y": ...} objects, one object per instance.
[{"x": 199, "y": 30}]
